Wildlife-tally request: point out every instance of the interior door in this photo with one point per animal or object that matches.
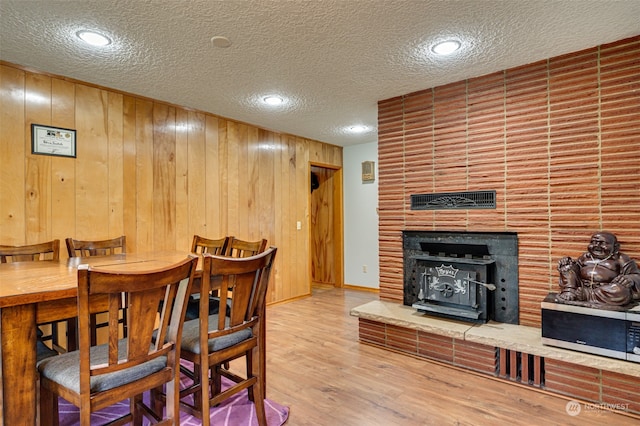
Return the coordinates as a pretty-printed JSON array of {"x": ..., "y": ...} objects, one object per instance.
[{"x": 326, "y": 226}]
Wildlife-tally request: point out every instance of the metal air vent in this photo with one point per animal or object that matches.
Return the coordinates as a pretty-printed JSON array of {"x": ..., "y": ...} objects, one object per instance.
[{"x": 454, "y": 200}]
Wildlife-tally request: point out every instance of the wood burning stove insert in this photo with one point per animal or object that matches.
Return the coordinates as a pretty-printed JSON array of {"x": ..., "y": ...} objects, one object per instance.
[{"x": 466, "y": 276}]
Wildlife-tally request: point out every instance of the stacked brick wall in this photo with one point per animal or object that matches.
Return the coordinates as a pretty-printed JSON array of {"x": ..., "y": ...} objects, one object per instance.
[
  {"x": 559, "y": 141},
  {"x": 593, "y": 385}
]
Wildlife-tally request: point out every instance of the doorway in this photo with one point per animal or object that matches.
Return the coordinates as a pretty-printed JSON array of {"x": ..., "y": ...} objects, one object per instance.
[{"x": 326, "y": 226}]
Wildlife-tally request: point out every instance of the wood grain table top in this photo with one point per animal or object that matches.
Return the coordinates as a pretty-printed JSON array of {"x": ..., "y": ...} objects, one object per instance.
[{"x": 33, "y": 282}]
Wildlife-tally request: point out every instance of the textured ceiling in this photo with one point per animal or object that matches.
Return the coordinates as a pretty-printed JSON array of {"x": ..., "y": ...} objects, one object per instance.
[{"x": 333, "y": 59}]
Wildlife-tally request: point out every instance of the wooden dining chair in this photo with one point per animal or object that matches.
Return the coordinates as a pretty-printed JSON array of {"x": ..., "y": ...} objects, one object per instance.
[
  {"x": 31, "y": 252},
  {"x": 48, "y": 251},
  {"x": 201, "y": 245},
  {"x": 87, "y": 248},
  {"x": 217, "y": 246},
  {"x": 228, "y": 246},
  {"x": 243, "y": 248},
  {"x": 95, "y": 377},
  {"x": 84, "y": 248},
  {"x": 211, "y": 341}
]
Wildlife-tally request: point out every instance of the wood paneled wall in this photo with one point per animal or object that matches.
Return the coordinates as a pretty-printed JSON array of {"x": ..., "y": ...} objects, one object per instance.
[
  {"x": 559, "y": 140},
  {"x": 155, "y": 172}
]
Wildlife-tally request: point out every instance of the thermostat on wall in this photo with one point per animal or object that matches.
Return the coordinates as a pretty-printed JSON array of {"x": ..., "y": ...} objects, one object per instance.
[{"x": 368, "y": 171}]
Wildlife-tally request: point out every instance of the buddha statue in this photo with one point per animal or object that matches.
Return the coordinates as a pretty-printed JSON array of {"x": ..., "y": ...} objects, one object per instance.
[{"x": 602, "y": 276}]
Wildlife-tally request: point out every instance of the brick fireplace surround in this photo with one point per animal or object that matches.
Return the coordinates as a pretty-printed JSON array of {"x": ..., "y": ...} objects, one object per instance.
[{"x": 559, "y": 142}]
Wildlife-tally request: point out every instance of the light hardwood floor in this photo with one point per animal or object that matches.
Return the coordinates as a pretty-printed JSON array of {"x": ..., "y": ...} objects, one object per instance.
[{"x": 317, "y": 367}]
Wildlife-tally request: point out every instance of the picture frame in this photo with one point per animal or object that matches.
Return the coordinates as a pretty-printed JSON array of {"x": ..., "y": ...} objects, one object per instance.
[{"x": 57, "y": 141}]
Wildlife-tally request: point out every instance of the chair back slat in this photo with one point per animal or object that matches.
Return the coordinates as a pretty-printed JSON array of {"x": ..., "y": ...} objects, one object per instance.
[
  {"x": 82, "y": 248},
  {"x": 113, "y": 314},
  {"x": 144, "y": 306},
  {"x": 29, "y": 253}
]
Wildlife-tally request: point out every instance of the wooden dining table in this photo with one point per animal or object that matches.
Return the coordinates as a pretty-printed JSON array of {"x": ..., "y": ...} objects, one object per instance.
[{"x": 33, "y": 293}]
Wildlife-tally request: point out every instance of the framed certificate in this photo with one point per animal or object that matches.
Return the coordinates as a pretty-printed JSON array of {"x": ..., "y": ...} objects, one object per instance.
[{"x": 47, "y": 140}]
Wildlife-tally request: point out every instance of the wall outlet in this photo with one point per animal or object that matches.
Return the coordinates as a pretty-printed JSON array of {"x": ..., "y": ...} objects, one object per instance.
[
  {"x": 298, "y": 225},
  {"x": 364, "y": 269}
]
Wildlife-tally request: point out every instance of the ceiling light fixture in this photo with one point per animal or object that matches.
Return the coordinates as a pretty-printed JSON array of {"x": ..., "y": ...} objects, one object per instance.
[
  {"x": 220, "y": 41},
  {"x": 446, "y": 47},
  {"x": 273, "y": 100},
  {"x": 358, "y": 128},
  {"x": 93, "y": 38}
]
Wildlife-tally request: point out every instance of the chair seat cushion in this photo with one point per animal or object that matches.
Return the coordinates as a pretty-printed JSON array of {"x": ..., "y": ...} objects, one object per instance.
[
  {"x": 65, "y": 369},
  {"x": 191, "y": 336}
]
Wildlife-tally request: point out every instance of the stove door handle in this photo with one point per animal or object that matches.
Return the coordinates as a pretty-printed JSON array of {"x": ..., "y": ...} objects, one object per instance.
[{"x": 488, "y": 286}]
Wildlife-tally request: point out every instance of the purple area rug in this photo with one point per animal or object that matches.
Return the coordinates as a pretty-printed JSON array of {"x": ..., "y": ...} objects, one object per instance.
[{"x": 235, "y": 411}]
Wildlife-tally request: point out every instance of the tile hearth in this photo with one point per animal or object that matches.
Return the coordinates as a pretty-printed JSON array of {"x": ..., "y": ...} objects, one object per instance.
[{"x": 505, "y": 336}]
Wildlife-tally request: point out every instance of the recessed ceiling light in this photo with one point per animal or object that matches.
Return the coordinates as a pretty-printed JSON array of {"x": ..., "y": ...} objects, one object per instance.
[
  {"x": 358, "y": 128},
  {"x": 273, "y": 100},
  {"x": 446, "y": 47},
  {"x": 93, "y": 38},
  {"x": 220, "y": 41}
]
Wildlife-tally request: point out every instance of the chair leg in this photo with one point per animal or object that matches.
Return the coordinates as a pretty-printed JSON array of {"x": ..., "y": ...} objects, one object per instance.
[
  {"x": 72, "y": 334},
  {"x": 204, "y": 396},
  {"x": 156, "y": 401},
  {"x": 94, "y": 329},
  {"x": 216, "y": 380},
  {"x": 256, "y": 392},
  {"x": 55, "y": 337},
  {"x": 197, "y": 395},
  {"x": 85, "y": 415},
  {"x": 172, "y": 402},
  {"x": 48, "y": 408},
  {"x": 259, "y": 404},
  {"x": 137, "y": 413},
  {"x": 250, "y": 372}
]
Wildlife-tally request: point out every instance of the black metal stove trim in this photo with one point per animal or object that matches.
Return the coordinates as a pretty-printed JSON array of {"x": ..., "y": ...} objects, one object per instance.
[{"x": 503, "y": 247}]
